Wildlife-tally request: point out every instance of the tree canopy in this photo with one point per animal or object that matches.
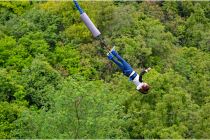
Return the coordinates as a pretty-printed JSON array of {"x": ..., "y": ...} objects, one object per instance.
[{"x": 56, "y": 82}]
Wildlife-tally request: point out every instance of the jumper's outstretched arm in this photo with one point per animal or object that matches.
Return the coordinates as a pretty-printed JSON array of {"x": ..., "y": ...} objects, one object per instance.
[{"x": 142, "y": 73}]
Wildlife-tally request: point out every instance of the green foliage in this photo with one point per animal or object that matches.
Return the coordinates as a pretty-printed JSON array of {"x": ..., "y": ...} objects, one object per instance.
[
  {"x": 77, "y": 30},
  {"x": 203, "y": 125},
  {"x": 69, "y": 58},
  {"x": 9, "y": 114},
  {"x": 34, "y": 44},
  {"x": 56, "y": 82},
  {"x": 7, "y": 43},
  {"x": 194, "y": 65},
  {"x": 82, "y": 109},
  {"x": 197, "y": 30},
  {"x": 8, "y": 87},
  {"x": 13, "y": 7},
  {"x": 40, "y": 73}
]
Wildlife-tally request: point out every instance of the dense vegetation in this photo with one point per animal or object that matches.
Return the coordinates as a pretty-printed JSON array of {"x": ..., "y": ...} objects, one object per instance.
[{"x": 56, "y": 82}]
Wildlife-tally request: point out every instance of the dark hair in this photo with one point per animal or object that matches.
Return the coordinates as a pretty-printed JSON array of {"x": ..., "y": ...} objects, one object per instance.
[{"x": 144, "y": 89}]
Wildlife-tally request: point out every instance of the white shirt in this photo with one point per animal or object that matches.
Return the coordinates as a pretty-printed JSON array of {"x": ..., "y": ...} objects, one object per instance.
[{"x": 136, "y": 81}]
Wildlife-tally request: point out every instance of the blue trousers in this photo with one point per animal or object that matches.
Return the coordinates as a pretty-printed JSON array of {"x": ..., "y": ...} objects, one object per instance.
[{"x": 122, "y": 64}]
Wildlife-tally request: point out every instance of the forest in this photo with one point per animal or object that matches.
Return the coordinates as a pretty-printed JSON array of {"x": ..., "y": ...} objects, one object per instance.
[{"x": 56, "y": 80}]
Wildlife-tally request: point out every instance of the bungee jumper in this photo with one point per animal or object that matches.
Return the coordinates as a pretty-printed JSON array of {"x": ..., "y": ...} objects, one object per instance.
[
  {"x": 129, "y": 72},
  {"x": 114, "y": 56}
]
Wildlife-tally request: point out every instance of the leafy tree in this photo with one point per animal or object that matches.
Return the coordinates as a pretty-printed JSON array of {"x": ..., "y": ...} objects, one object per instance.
[
  {"x": 40, "y": 81},
  {"x": 82, "y": 110},
  {"x": 9, "y": 114},
  {"x": 68, "y": 57},
  {"x": 193, "y": 65},
  {"x": 8, "y": 86},
  {"x": 7, "y": 43},
  {"x": 15, "y": 6},
  {"x": 56, "y": 82},
  {"x": 34, "y": 44},
  {"x": 197, "y": 29}
]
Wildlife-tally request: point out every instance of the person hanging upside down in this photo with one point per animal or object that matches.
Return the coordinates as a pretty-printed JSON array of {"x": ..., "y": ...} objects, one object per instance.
[{"x": 129, "y": 72}]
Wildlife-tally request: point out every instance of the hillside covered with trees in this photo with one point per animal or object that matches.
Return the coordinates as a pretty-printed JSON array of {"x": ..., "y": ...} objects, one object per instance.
[{"x": 56, "y": 81}]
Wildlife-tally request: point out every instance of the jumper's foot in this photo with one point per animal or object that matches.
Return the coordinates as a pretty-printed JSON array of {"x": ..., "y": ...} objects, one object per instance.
[{"x": 110, "y": 56}]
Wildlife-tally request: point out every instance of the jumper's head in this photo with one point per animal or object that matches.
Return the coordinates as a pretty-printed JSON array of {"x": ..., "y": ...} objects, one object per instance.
[{"x": 144, "y": 88}]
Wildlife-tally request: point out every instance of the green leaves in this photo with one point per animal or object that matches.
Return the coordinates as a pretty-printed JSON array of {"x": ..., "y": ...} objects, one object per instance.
[
  {"x": 197, "y": 29},
  {"x": 9, "y": 112},
  {"x": 34, "y": 77},
  {"x": 82, "y": 110},
  {"x": 56, "y": 82}
]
